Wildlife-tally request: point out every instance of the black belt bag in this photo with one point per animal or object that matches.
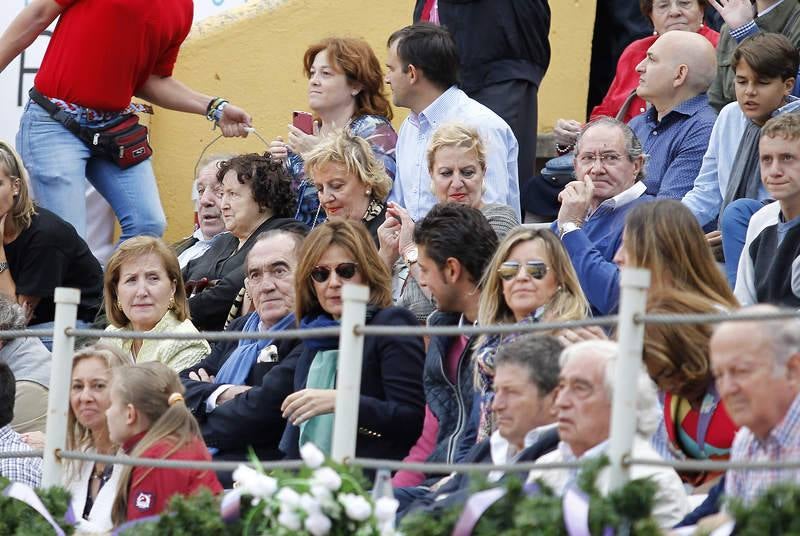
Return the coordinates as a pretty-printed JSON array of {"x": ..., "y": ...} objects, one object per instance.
[{"x": 125, "y": 142}]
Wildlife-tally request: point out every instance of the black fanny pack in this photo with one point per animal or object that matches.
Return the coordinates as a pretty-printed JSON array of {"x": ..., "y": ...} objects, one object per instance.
[{"x": 125, "y": 142}]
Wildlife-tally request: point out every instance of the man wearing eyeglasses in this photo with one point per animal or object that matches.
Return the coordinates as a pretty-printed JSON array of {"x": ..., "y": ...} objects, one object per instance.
[
  {"x": 583, "y": 404},
  {"x": 610, "y": 165}
]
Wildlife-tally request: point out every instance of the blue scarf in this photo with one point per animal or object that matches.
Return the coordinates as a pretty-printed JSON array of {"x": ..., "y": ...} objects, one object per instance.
[
  {"x": 322, "y": 320},
  {"x": 238, "y": 365}
]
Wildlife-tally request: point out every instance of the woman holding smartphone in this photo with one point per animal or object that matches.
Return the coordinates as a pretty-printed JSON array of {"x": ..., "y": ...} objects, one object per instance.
[{"x": 345, "y": 91}]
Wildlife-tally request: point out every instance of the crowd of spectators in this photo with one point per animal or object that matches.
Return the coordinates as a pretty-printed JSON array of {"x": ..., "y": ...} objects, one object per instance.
[{"x": 689, "y": 168}]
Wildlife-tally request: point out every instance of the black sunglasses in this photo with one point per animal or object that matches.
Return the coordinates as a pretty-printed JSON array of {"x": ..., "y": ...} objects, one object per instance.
[
  {"x": 509, "y": 269},
  {"x": 345, "y": 270}
]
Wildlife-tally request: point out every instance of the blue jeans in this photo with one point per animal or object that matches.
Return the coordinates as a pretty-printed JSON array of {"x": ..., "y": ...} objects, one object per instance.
[
  {"x": 58, "y": 162},
  {"x": 733, "y": 223}
]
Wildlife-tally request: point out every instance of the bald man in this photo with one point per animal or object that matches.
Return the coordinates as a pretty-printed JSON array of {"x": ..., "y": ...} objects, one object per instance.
[{"x": 675, "y": 129}]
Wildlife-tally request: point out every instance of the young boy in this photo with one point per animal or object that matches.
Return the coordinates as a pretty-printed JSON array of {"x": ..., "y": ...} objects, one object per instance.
[
  {"x": 764, "y": 69},
  {"x": 769, "y": 268}
]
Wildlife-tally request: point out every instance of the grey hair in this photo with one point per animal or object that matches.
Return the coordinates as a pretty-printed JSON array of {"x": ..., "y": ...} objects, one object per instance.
[
  {"x": 539, "y": 354},
  {"x": 648, "y": 409},
  {"x": 12, "y": 316},
  {"x": 633, "y": 146}
]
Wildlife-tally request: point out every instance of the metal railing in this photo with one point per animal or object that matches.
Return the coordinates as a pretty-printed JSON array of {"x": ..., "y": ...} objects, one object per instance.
[{"x": 630, "y": 330}]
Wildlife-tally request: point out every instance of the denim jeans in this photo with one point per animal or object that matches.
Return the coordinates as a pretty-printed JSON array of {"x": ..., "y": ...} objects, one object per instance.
[
  {"x": 58, "y": 162},
  {"x": 733, "y": 223}
]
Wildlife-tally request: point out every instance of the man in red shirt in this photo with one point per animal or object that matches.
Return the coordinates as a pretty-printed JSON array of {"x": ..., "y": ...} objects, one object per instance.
[{"x": 101, "y": 54}]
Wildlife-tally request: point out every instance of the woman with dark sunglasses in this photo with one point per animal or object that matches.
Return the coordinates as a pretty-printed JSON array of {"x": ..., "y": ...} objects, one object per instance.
[
  {"x": 530, "y": 278},
  {"x": 391, "y": 407}
]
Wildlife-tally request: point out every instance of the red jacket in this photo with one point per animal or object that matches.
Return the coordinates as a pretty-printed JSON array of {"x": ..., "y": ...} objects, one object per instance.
[
  {"x": 626, "y": 78},
  {"x": 151, "y": 488}
]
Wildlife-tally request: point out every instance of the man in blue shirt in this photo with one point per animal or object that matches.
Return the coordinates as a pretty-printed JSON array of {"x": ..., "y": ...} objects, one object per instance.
[
  {"x": 674, "y": 131},
  {"x": 610, "y": 164},
  {"x": 422, "y": 69}
]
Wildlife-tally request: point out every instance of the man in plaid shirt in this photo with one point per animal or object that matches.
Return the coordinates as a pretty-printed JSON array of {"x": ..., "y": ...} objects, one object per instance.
[
  {"x": 24, "y": 470},
  {"x": 757, "y": 370}
]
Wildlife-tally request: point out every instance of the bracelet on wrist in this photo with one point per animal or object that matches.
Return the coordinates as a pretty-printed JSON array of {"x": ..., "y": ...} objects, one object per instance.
[
  {"x": 564, "y": 149},
  {"x": 214, "y": 108}
]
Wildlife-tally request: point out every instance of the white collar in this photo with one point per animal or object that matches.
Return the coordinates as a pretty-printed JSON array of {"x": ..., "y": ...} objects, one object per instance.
[
  {"x": 504, "y": 452},
  {"x": 624, "y": 197}
]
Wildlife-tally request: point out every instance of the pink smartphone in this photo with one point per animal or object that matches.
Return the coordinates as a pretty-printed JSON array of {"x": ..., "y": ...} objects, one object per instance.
[{"x": 304, "y": 121}]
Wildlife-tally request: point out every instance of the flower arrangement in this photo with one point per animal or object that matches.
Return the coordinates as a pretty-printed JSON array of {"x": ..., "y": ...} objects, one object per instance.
[{"x": 323, "y": 498}]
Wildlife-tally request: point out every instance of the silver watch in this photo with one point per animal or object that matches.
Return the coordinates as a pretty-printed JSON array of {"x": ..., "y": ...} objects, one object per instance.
[{"x": 567, "y": 228}]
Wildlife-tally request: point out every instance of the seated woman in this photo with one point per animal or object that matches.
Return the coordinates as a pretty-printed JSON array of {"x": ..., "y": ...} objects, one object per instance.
[
  {"x": 665, "y": 238},
  {"x": 457, "y": 165},
  {"x": 529, "y": 279},
  {"x": 40, "y": 252},
  {"x": 92, "y": 485},
  {"x": 345, "y": 91},
  {"x": 696, "y": 424},
  {"x": 144, "y": 291},
  {"x": 392, "y": 402},
  {"x": 148, "y": 418},
  {"x": 351, "y": 183},
  {"x": 256, "y": 197}
]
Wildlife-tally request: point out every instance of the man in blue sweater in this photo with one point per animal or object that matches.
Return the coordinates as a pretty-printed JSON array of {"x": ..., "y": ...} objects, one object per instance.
[{"x": 610, "y": 165}]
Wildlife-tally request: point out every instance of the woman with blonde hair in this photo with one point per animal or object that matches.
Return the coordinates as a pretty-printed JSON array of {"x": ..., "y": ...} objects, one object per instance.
[
  {"x": 391, "y": 405},
  {"x": 39, "y": 252},
  {"x": 144, "y": 291},
  {"x": 345, "y": 92},
  {"x": 92, "y": 485},
  {"x": 529, "y": 279},
  {"x": 350, "y": 181},
  {"x": 149, "y": 419}
]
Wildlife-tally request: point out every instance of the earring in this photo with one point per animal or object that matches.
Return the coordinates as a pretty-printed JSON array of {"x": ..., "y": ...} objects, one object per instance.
[
  {"x": 172, "y": 303},
  {"x": 368, "y": 192},
  {"x": 354, "y": 93},
  {"x": 119, "y": 305}
]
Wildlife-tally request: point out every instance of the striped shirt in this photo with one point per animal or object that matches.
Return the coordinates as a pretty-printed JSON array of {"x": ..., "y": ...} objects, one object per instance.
[{"x": 782, "y": 444}]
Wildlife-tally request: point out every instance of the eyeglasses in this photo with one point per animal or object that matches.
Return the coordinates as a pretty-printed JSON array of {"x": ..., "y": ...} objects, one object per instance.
[
  {"x": 664, "y": 5},
  {"x": 509, "y": 269},
  {"x": 345, "y": 270},
  {"x": 605, "y": 159}
]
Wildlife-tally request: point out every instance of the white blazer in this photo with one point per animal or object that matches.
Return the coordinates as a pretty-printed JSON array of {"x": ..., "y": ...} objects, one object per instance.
[{"x": 100, "y": 514}]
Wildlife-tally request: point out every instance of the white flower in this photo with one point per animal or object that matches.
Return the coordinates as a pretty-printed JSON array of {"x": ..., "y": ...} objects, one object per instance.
[
  {"x": 318, "y": 524},
  {"x": 312, "y": 455},
  {"x": 328, "y": 477},
  {"x": 251, "y": 482},
  {"x": 386, "y": 508},
  {"x": 288, "y": 498},
  {"x": 356, "y": 507},
  {"x": 289, "y": 519},
  {"x": 309, "y": 503}
]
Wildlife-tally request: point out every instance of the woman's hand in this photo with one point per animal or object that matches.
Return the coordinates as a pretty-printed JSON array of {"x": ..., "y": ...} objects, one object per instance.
[
  {"x": 307, "y": 403},
  {"x": 406, "y": 237},
  {"x": 35, "y": 440},
  {"x": 300, "y": 142},
  {"x": 389, "y": 240},
  {"x": 571, "y": 336},
  {"x": 566, "y": 131},
  {"x": 278, "y": 149}
]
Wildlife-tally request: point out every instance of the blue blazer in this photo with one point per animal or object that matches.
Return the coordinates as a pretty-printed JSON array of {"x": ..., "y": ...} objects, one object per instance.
[{"x": 392, "y": 404}]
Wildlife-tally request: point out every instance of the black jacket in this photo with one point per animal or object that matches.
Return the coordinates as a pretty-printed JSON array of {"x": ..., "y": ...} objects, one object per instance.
[
  {"x": 497, "y": 40},
  {"x": 252, "y": 419},
  {"x": 224, "y": 264},
  {"x": 392, "y": 403}
]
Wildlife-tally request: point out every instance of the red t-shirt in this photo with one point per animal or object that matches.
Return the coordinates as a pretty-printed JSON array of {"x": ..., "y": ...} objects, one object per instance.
[
  {"x": 151, "y": 488},
  {"x": 102, "y": 51},
  {"x": 627, "y": 79}
]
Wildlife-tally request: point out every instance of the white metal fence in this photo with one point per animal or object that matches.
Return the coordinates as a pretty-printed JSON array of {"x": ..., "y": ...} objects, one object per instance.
[{"x": 630, "y": 330}]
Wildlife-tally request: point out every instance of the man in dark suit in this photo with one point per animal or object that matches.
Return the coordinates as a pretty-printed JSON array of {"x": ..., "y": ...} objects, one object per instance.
[
  {"x": 526, "y": 377},
  {"x": 236, "y": 392}
]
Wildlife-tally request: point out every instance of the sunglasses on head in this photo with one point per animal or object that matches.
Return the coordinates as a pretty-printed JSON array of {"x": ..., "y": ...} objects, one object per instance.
[
  {"x": 345, "y": 270},
  {"x": 509, "y": 269}
]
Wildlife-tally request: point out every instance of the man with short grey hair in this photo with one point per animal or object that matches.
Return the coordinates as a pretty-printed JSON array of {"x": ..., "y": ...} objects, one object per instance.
[
  {"x": 609, "y": 165},
  {"x": 757, "y": 371},
  {"x": 583, "y": 403},
  {"x": 29, "y": 360}
]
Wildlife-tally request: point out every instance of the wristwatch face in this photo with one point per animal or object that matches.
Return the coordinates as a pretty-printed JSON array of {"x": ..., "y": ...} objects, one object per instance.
[{"x": 411, "y": 256}]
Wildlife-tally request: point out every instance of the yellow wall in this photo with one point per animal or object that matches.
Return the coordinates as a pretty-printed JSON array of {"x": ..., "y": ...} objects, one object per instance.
[{"x": 252, "y": 56}]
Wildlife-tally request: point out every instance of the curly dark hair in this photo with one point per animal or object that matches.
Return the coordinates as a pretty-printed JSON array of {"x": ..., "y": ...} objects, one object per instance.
[{"x": 269, "y": 181}]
